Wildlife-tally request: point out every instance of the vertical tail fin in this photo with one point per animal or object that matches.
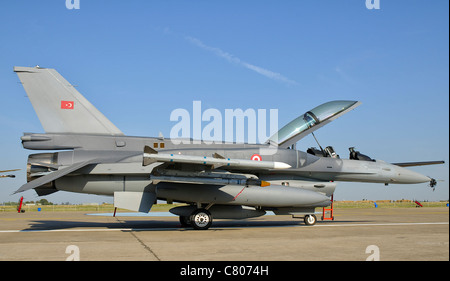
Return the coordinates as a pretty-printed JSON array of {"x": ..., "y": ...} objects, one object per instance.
[{"x": 59, "y": 106}]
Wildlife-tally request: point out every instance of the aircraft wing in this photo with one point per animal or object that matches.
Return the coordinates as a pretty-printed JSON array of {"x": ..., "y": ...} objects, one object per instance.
[
  {"x": 423, "y": 163},
  {"x": 54, "y": 175}
]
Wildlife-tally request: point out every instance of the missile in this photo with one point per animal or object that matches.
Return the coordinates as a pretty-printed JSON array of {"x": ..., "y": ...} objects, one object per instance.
[{"x": 150, "y": 156}]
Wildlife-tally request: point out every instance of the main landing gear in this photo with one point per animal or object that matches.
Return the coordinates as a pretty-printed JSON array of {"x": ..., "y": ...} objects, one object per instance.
[{"x": 200, "y": 219}]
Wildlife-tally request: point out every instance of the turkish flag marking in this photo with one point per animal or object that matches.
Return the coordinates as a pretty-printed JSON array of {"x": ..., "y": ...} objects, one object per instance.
[{"x": 66, "y": 104}]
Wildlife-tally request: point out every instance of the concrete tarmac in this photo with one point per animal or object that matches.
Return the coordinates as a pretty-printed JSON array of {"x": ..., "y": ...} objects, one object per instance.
[{"x": 397, "y": 234}]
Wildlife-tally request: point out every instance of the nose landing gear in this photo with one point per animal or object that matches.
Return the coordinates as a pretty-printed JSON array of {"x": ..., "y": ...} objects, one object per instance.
[{"x": 310, "y": 219}]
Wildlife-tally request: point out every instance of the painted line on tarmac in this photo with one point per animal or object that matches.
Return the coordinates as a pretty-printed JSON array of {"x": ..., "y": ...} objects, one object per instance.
[
  {"x": 383, "y": 224},
  {"x": 86, "y": 230},
  {"x": 154, "y": 214},
  {"x": 135, "y": 214},
  {"x": 219, "y": 227}
]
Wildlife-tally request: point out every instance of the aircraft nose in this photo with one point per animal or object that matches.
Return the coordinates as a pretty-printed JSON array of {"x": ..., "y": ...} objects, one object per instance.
[{"x": 408, "y": 176}]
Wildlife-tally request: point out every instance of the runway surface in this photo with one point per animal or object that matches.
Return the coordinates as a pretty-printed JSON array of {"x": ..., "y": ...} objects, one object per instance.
[{"x": 354, "y": 235}]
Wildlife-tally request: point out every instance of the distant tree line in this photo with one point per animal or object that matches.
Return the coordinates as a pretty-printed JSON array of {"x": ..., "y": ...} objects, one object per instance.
[{"x": 40, "y": 202}]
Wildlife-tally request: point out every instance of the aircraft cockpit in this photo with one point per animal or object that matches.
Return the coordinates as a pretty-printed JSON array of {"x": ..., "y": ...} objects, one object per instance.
[
  {"x": 356, "y": 155},
  {"x": 327, "y": 152}
]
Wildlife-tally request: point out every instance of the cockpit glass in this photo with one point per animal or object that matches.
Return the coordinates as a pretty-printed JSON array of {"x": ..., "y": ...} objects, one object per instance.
[
  {"x": 310, "y": 119},
  {"x": 329, "y": 109}
]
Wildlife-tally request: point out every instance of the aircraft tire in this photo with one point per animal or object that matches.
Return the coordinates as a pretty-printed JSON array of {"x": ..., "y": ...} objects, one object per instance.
[
  {"x": 201, "y": 219},
  {"x": 310, "y": 219}
]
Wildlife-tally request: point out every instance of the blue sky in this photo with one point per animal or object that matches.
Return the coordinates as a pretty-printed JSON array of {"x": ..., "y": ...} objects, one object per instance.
[{"x": 137, "y": 61}]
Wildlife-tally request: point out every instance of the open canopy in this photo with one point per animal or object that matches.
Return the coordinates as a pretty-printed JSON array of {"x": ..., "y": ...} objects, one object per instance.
[{"x": 311, "y": 121}]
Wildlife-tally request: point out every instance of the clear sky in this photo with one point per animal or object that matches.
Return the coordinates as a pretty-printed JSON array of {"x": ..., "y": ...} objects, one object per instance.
[{"x": 139, "y": 60}]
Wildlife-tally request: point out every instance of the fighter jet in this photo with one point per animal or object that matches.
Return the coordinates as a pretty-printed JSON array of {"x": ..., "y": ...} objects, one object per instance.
[{"x": 217, "y": 181}]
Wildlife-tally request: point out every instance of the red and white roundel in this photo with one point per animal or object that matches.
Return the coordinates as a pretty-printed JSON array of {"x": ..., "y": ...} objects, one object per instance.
[{"x": 256, "y": 157}]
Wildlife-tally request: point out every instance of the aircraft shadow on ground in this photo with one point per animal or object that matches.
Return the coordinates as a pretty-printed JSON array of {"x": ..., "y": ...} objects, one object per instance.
[{"x": 149, "y": 225}]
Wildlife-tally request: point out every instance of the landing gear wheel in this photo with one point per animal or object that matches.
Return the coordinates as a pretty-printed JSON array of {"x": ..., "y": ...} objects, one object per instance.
[
  {"x": 310, "y": 219},
  {"x": 201, "y": 219},
  {"x": 185, "y": 221}
]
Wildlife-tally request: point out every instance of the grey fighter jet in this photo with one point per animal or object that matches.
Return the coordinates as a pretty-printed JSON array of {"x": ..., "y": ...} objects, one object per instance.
[{"x": 220, "y": 181}]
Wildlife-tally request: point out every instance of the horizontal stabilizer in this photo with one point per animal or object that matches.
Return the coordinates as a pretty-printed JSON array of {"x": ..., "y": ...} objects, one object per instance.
[
  {"x": 423, "y": 163},
  {"x": 54, "y": 175}
]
